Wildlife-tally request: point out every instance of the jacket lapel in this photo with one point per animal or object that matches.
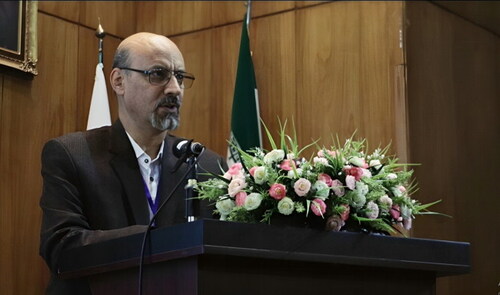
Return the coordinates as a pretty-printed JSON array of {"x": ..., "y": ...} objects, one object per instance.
[
  {"x": 173, "y": 209},
  {"x": 125, "y": 165}
]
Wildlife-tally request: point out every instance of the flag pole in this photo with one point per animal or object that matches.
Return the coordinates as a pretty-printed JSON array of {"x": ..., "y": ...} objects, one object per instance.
[
  {"x": 99, "y": 114},
  {"x": 100, "y": 34},
  {"x": 249, "y": 11}
]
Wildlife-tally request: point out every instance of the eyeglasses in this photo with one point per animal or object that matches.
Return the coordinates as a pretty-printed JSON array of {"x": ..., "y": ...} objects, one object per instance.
[{"x": 161, "y": 76}]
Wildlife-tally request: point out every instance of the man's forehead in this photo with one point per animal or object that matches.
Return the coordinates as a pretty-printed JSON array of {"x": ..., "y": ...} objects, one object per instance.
[{"x": 157, "y": 53}]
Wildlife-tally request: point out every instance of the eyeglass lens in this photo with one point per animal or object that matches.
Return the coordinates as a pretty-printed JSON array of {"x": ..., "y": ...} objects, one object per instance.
[{"x": 161, "y": 76}]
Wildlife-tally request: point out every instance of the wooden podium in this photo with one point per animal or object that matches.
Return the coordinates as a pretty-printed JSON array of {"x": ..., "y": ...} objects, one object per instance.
[{"x": 216, "y": 257}]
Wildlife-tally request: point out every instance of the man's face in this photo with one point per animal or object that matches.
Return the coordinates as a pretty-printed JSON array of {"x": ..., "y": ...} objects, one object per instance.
[{"x": 148, "y": 104}]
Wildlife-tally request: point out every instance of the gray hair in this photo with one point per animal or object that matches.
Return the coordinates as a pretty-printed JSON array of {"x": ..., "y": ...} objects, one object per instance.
[{"x": 121, "y": 59}]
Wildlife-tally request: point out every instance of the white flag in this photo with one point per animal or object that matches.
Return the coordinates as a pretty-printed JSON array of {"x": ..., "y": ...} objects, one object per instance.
[{"x": 99, "y": 114}]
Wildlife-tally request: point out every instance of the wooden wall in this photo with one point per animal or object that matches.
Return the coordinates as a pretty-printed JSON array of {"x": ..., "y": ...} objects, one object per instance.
[
  {"x": 454, "y": 131},
  {"x": 333, "y": 67}
]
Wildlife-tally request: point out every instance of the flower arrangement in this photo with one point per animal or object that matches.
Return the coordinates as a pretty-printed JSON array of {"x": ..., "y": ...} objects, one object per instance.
[{"x": 341, "y": 188}]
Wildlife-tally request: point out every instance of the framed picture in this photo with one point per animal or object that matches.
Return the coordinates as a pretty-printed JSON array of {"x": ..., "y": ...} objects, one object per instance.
[{"x": 18, "y": 39}]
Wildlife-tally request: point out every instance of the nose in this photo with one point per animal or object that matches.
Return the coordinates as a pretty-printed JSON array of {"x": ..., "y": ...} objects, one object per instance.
[{"x": 173, "y": 88}]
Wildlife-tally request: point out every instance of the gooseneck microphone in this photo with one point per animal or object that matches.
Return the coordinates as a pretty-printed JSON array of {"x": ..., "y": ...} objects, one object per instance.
[
  {"x": 186, "y": 151},
  {"x": 187, "y": 147}
]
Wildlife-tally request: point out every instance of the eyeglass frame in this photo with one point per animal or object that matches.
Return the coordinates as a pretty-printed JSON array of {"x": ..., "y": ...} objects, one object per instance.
[{"x": 172, "y": 73}]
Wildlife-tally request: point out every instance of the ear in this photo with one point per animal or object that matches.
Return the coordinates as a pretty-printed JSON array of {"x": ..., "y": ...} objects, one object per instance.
[{"x": 116, "y": 79}]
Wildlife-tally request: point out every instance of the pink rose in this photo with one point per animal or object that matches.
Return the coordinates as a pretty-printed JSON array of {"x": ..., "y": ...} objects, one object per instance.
[
  {"x": 235, "y": 169},
  {"x": 240, "y": 198},
  {"x": 235, "y": 186},
  {"x": 354, "y": 171},
  {"x": 325, "y": 178},
  {"x": 345, "y": 214},
  {"x": 321, "y": 153},
  {"x": 286, "y": 165},
  {"x": 402, "y": 189},
  {"x": 302, "y": 187},
  {"x": 338, "y": 188},
  {"x": 252, "y": 170},
  {"x": 350, "y": 182},
  {"x": 318, "y": 207},
  {"x": 277, "y": 191},
  {"x": 395, "y": 212}
]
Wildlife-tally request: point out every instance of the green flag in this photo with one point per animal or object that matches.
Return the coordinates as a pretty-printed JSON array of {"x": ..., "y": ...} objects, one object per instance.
[{"x": 245, "y": 125}]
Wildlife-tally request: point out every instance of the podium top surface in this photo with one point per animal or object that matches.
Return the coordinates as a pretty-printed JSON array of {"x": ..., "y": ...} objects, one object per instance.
[{"x": 260, "y": 241}]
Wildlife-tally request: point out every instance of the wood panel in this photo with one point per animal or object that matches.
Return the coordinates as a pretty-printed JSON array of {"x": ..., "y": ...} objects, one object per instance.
[
  {"x": 87, "y": 61},
  {"x": 225, "y": 48},
  {"x": 1, "y": 103},
  {"x": 32, "y": 111},
  {"x": 273, "y": 43},
  {"x": 117, "y": 17},
  {"x": 173, "y": 17},
  {"x": 454, "y": 132},
  {"x": 260, "y": 8},
  {"x": 196, "y": 110},
  {"x": 347, "y": 54},
  {"x": 224, "y": 12},
  {"x": 483, "y": 13},
  {"x": 300, "y": 4},
  {"x": 69, "y": 10}
]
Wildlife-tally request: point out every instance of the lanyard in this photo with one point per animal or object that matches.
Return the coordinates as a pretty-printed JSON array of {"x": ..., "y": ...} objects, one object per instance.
[{"x": 152, "y": 204}]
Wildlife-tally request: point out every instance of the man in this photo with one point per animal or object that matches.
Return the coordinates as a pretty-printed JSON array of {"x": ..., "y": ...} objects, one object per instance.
[{"x": 107, "y": 182}]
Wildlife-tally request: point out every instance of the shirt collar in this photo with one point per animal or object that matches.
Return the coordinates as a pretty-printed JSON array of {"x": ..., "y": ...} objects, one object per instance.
[{"x": 139, "y": 151}]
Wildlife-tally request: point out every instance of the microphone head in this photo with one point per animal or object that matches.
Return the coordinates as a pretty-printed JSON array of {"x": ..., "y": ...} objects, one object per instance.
[
  {"x": 184, "y": 147},
  {"x": 196, "y": 148},
  {"x": 180, "y": 147}
]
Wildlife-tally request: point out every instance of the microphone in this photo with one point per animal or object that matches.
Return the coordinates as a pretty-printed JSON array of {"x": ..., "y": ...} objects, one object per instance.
[{"x": 186, "y": 147}]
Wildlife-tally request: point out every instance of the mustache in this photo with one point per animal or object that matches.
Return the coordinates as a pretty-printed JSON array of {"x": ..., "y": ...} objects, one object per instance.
[{"x": 169, "y": 101}]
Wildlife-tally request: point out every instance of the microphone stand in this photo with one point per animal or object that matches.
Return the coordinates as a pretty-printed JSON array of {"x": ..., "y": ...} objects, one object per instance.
[{"x": 190, "y": 192}]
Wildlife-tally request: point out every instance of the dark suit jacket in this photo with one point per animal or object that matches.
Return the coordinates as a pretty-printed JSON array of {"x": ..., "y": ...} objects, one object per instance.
[{"x": 93, "y": 191}]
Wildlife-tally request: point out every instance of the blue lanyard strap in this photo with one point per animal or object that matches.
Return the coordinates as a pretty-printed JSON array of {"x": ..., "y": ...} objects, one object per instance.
[{"x": 152, "y": 204}]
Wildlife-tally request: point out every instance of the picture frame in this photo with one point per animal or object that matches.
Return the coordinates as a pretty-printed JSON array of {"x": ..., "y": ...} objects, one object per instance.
[{"x": 18, "y": 35}]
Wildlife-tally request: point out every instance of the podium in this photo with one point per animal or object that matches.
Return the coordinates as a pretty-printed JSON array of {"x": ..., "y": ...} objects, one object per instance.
[{"x": 217, "y": 257}]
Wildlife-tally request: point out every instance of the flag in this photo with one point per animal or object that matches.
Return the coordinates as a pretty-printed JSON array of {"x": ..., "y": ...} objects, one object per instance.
[
  {"x": 99, "y": 106},
  {"x": 245, "y": 125}
]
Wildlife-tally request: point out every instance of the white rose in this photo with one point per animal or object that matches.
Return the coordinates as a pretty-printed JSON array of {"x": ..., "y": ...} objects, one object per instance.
[
  {"x": 286, "y": 206},
  {"x": 322, "y": 189},
  {"x": 357, "y": 161},
  {"x": 375, "y": 163},
  {"x": 366, "y": 173},
  {"x": 391, "y": 176},
  {"x": 358, "y": 200},
  {"x": 396, "y": 191},
  {"x": 260, "y": 175},
  {"x": 385, "y": 200},
  {"x": 320, "y": 161},
  {"x": 252, "y": 201},
  {"x": 274, "y": 156},
  {"x": 292, "y": 175},
  {"x": 372, "y": 210},
  {"x": 406, "y": 212},
  {"x": 235, "y": 186},
  {"x": 225, "y": 206},
  {"x": 407, "y": 222},
  {"x": 362, "y": 187}
]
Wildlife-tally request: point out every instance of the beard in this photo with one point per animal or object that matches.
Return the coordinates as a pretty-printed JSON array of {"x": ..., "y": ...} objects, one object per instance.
[{"x": 168, "y": 120}]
